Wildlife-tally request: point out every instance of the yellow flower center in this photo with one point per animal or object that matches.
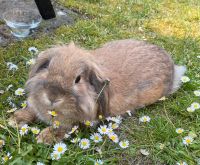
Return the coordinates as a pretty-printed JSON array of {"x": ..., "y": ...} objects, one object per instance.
[
  {"x": 180, "y": 131},
  {"x": 104, "y": 129},
  {"x": 96, "y": 138},
  {"x": 35, "y": 131},
  {"x": 6, "y": 158},
  {"x": 53, "y": 113},
  {"x": 188, "y": 141},
  {"x": 84, "y": 143},
  {"x": 113, "y": 137},
  {"x": 87, "y": 123},
  {"x": 23, "y": 129},
  {"x": 60, "y": 149},
  {"x": 100, "y": 116},
  {"x": 145, "y": 119}
]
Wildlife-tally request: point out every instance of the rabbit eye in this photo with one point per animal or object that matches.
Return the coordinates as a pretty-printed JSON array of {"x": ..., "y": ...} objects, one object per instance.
[{"x": 78, "y": 78}]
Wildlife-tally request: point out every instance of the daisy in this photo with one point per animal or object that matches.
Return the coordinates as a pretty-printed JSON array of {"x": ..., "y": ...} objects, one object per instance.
[
  {"x": 187, "y": 140},
  {"x": 144, "y": 119},
  {"x": 98, "y": 162},
  {"x": 103, "y": 129},
  {"x": 19, "y": 92},
  {"x": 33, "y": 49},
  {"x": 75, "y": 140},
  {"x": 60, "y": 148},
  {"x": 2, "y": 143},
  {"x": 24, "y": 104},
  {"x": 197, "y": 93},
  {"x": 181, "y": 163},
  {"x": 179, "y": 130},
  {"x": 190, "y": 109},
  {"x": 195, "y": 105},
  {"x": 144, "y": 152},
  {"x": 55, "y": 156},
  {"x": 84, "y": 144},
  {"x": 35, "y": 130},
  {"x": 73, "y": 129},
  {"x": 96, "y": 137},
  {"x": 24, "y": 129},
  {"x": 40, "y": 163},
  {"x": 113, "y": 137},
  {"x": 7, "y": 157},
  {"x": 31, "y": 61},
  {"x": 113, "y": 125},
  {"x": 129, "y": 112},
  {"x": 12, "y": 110},
  {"x": 12, "y": 66},
  {"x": 1, "y": 92},
  {"x": 124, "y": 144},
  {"x": 52, "y": 113},
  {"x": 185, "y": 79},
  {"x": 89, "y": 123},
  {"x": 117, "y": 119},
  {"x": 56, "y": 124}
]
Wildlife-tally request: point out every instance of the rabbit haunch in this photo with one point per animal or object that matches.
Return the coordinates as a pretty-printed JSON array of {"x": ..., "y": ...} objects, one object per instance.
[{"x": 74, "y": 81}]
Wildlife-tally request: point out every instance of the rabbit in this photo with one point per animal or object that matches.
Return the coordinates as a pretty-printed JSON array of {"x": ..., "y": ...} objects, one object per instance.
[{"x": 82, "y": 84}]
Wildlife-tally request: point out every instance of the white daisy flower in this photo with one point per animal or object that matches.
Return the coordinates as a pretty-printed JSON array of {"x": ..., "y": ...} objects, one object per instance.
[
  {"x": 113, "y": 125},
  {"x": 9, "y": 86},
  {"x": 89, "y": 123},
  {"x": 31, "y": 61},
  {"x": 181, "y": 163},
  {"x": 98, "y": 162},
  {"x": 56, "y": 124},
  {"x": 144, "y": 119},
  {"x": 117, "y": 119},
  {"x": 2, "y": 91},
  {"x": 187, "y": 140},
  {"x": 12, "y": 66},
  {"x": 113, "y": 137},
  {"x": 75, "y": 140},
  {"x": 197, "y": 93},
  {"x": 124, "y": 144},
  {"x": 24, "y": 129},
  {"x": 52, "y": 113},
  {"x": 96, "y": 137},
  {"x": 73, "y": 129},
  {"x": 60, "y": 148},
  {"x": 190, "y": 109},
  {"x": 66, "y": 136},
  {"x": 24, "y": 104},
  {"x": 84, "y": 144},
  {"x": 185, "y": 79},
  {"x": 129, "y": 112},
  {"x": 55, "y": 155},
  {"x": 103, "y": 129},
  {"x": 144, "y": 152},
  {"x": 109, "y": 118},
  {"x": 40, "y": 163},
  {"x": 33, "y": 49},
  {"x": 12, "y": 110},
  {"x": 195, "y": 105},
  {"x": 179, "y": 130},
  {"x": 35, "y": 130},
  {"x": 7, "y": 157},
  {"x": 19, "y": 92},
  {"x": 2, "y": 143}
]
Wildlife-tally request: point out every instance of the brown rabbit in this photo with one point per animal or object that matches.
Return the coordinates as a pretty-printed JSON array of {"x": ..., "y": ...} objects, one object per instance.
[{"x": 81, "y": 85}]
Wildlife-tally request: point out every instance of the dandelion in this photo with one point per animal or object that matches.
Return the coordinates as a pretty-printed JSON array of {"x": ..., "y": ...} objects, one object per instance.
[
  {"x": 144, "y": 152},
  {"x": 197, "y": 93},
  {"x": 12, "y": 110},
  {"x": 33, "y": 50},
  {"x": 73, "y": 129},
  {"x": 144, "y": 119},
  {"x": 84, "y": 144},
  {"x": 185, "y": 79},
  {"x": 75, "y": 140},
  {"x": 19, "y": 92},
  {"x": 124, "y": 144},
  {"x": 113, "y": 125},
  {"x": 56, "y": 124},
  {"x": 195, "y": 105},
  {"x": 24, "y": 129},
  {"x": 187, "y": 140},
  {"x": 31, "y": 61},
  {"x": 24, "y": 104},
  {"x": 12, "y": 66},
  {"x": 113, "y": 137},
  {"x": 179, "y": 130},
  {"x": 96, "y": 137},
  {"x": 35, "y": 130},
  {"x": 52, "y": 113},
  {"x": 181, "y": 163},
  {"x": 89, "y": 123},
  {"x": 129, "y": 112},
  {"x": 2, "y": 143},
  {"x": 190, "y": 109},
  {"x": 103, "y": 129},
  {"x": 60, "y": 148},
  {"x": 40, "y": 163},
  {"x": 55, "y": 156},
  {"x": 98, "y": 162}
]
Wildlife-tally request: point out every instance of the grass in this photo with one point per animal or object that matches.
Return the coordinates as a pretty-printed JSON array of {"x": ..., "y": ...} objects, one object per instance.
[{"x": 173, "y": 25}]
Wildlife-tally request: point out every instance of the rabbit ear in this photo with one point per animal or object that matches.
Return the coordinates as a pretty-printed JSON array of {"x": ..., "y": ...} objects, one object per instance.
[{"x": 42, "y": 62}]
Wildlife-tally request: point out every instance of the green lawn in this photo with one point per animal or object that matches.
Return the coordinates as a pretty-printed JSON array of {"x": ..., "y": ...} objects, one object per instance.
[{"x": 171, "y": 24}]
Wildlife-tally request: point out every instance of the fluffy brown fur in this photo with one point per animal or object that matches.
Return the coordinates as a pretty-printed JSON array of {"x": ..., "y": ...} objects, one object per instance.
[{"x": 80, "y": 84}]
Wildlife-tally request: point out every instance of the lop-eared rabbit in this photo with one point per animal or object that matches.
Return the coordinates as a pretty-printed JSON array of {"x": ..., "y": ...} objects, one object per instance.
[{"x": 81, "y": 84}]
